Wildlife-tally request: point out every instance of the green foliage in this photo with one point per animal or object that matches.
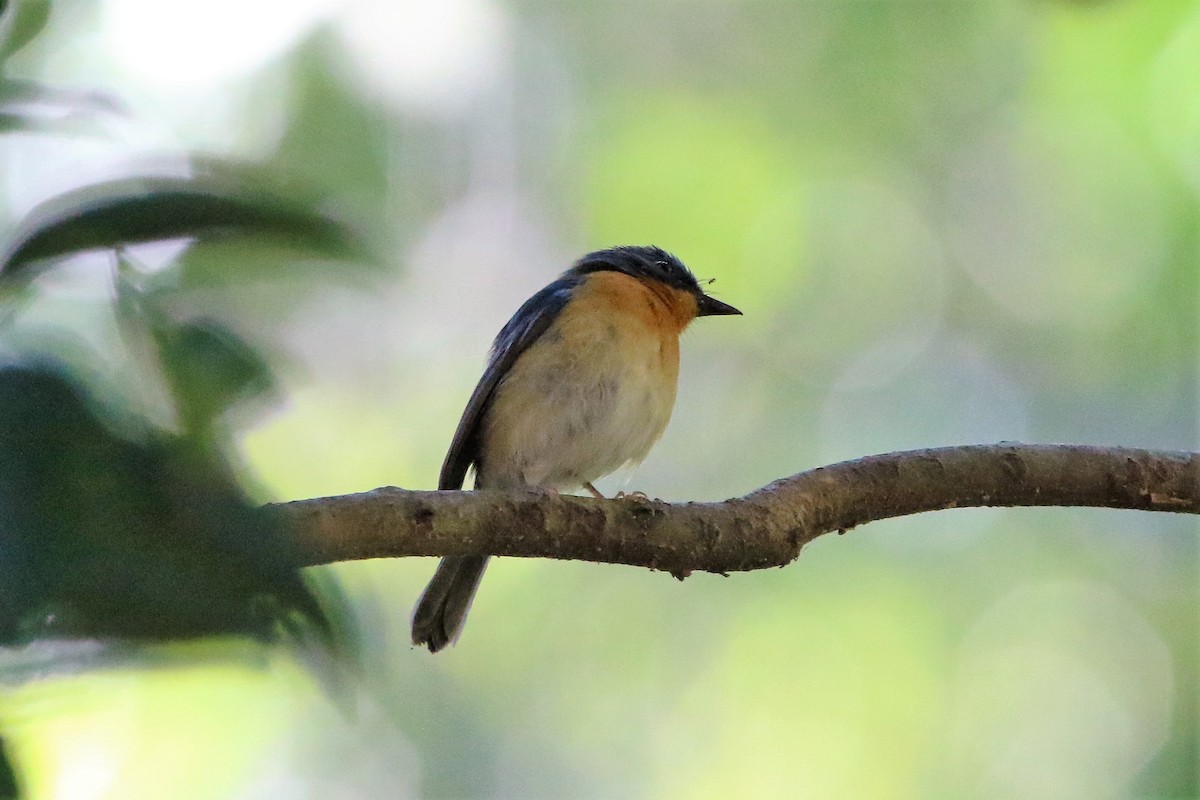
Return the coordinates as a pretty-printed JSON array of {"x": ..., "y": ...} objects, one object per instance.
[
  {"x": 30, "y": 106},
  {"x": 126, "y": 212},
  {"x": 20, "y": 22},
  {"x": 112, "y": 527},
  {"x": 8, "y": 778},
  {"x": 127, "y": 532},
  {"x": 946, "y": 222}
]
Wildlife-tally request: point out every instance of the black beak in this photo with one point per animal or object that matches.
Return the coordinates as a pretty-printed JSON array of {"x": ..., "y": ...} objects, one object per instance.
[{"x": 712, "y": 307}]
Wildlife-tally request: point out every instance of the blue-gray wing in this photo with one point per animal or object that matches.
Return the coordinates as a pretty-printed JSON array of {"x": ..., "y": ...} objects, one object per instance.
[{"x": 526, "y": 326}]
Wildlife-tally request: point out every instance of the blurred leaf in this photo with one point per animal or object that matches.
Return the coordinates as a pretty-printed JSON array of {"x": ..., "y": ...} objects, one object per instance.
[
  {"x": 20, "y": 22},
  {"x": 154, "y": 209},
  {"x": 136, "y": 312},
  {"x": 133, "y": 535},
  {"x": 8, "y": 776},
  {"x": 344, "y": 142},
  {"x": 10, "y": 121},
  {"x": 209, "y": 369},
  {"x": 15, "y": 92},
  {"x": 27, "y": 105}
]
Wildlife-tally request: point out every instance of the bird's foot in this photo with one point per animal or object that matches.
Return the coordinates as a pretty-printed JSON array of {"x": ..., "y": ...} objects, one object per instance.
[{"x": 640, "y": 497}]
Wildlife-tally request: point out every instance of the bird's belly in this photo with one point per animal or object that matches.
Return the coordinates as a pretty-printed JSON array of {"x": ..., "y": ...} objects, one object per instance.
[{"x": 562, "y": 423}]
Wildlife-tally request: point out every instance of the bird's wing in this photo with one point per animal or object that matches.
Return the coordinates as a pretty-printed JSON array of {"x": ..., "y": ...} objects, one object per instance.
[{"x": 530, "y": 322}]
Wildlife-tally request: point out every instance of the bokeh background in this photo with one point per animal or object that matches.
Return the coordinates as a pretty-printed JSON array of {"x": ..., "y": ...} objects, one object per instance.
[{"x": 946, "y": 222}]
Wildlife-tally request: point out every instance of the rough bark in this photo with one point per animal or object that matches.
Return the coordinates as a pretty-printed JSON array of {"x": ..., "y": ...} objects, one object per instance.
[{"x": 766, "y": 528}]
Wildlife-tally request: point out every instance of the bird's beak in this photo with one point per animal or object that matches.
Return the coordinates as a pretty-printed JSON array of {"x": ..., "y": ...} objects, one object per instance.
[{"x": 712, "y": 307}]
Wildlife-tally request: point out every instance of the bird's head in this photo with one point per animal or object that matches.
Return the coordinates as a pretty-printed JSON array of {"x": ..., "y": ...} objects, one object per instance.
[{"x": 653, "y": 264}]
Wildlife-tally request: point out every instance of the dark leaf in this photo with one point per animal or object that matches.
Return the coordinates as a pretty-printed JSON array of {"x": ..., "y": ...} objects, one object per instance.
[
  {"x": 125, "y": 212},
  {"x": 209, "y": 370},
  {"x": 207, "y": 367},
  {"x": 8, "y": 776},
  {"x": 132, "y": 535}
]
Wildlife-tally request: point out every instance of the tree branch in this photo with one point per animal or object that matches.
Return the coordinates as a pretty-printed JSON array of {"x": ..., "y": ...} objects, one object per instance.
[{"x": 766, "y": 528}]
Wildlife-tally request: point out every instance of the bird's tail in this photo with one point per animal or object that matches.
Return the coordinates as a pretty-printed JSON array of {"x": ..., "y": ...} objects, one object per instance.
[{"x": 443, "y": 607}]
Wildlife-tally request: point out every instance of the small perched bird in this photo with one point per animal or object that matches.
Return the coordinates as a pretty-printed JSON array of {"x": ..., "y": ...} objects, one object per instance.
[{"x": 580, "y": 382}]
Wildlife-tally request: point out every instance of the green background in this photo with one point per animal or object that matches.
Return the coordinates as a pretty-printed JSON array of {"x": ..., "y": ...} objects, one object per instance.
[{"x": 946, "y": 223}]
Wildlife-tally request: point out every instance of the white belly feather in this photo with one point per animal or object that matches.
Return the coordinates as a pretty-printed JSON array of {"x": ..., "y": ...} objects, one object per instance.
[{"x": 566, "y": 415}]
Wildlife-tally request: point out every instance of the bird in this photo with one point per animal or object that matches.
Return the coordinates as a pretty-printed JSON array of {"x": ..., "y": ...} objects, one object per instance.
[{"x": 580, "y": 382}]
